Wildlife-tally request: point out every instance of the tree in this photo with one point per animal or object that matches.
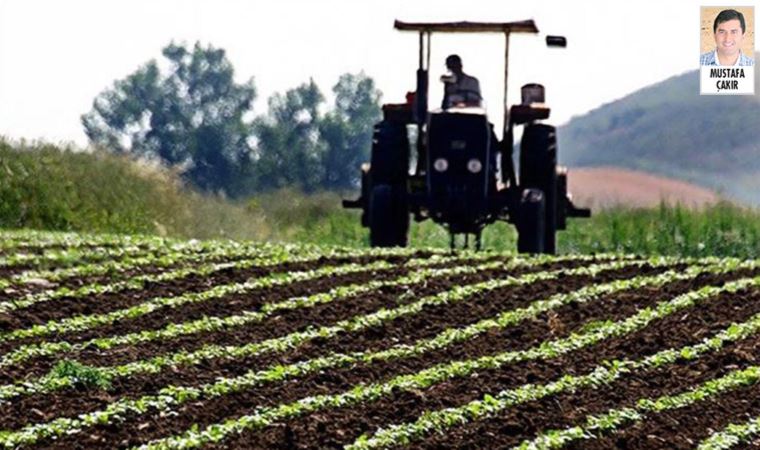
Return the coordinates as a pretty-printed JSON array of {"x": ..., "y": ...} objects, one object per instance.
[
  {"x": 289, "y": 150},
  {"x": 347, "y": 130},
  {"x": 193, "y": 118}
]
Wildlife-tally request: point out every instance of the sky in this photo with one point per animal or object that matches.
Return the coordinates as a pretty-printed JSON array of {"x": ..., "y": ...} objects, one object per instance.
[{"x": 57, "y": 56}]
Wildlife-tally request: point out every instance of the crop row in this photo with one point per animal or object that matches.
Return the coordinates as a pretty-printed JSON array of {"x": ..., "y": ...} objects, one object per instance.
[
  {"x": 491, "y": 404},
  {"x": 11, "y": 240},
  {"x": 174, "y": 395},
  {"x": 362, "y": 393},
  {"x": 69, "y": 257},
  {"x": 208, "y": 324},
  {"x": 439, "y": 421},
  {"x": 85, "y": 322},
  {"x": 616, "y": 418},
  {"x": 25, "y": 352},
  {"x": 259, "y": 256},
  {"x": 126, "y": 246},
  {"x": 191, "y": 251},
  {"x": 74, "y": 251},
  {"x": 732, "y": 435},
  {"x": 171, "y": 396}
]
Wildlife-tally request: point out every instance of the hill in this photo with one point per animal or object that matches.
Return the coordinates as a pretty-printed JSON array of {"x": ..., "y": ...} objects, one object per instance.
[
  {"x": 51, "y": 187},
  {"x": 670, "y": 130},
  {"x": 604, "y": 187}
]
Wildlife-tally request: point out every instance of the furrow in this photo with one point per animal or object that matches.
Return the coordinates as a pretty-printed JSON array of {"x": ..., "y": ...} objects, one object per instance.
[
  {"x": 732, "y": 435},
  {"x": 32, "y": 307},
  {"x": 156, "y": 364},
  {"x": 223, "y": 387},
  {"x": 310, "y": 377},
  {"x": 192, "y": 251},
  {"x": 80, "y": 323},
  {"x": 363, "y": 393},
  {"x": 92, "y": 323},
  {"x": 12, "y": 360},
  {"x": 616, "y": 418},
  {"x": 207, "y": 355},
  {"x": 491, "y": 405}
]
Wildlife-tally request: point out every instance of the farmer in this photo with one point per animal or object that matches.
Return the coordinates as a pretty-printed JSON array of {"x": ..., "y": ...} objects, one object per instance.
[
  {"x": 459, "y": 89},
  {"x": 728, "y": 29}
]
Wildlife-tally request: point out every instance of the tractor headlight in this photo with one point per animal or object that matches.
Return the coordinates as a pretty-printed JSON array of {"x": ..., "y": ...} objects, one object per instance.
[
  {"x": 474, "y": 165},
  {"x": 441, "y": 165}
]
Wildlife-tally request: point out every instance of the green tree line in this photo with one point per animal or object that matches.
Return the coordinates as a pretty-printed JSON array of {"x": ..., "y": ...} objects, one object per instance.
[{"x": 194, "y": 117}]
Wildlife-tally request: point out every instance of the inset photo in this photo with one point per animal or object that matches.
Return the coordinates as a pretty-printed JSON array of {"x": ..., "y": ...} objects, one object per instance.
[{"x": 727, "y": 37}]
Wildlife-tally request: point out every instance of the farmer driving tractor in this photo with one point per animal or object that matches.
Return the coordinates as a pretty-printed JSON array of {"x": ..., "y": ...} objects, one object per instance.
[{"x": 459, "y": 88}]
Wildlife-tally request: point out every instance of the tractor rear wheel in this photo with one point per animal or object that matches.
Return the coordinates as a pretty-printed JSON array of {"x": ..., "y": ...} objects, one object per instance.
[
  {"x": 388, "y": 216},
  {"x": 538, "y": 170},
  {"x": 531, "y": 225}
]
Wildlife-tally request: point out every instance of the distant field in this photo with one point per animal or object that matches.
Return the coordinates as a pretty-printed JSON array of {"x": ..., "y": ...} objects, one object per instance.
[
  {"x": 135, "y": 342},
  {"x": 605, "y": 187}
]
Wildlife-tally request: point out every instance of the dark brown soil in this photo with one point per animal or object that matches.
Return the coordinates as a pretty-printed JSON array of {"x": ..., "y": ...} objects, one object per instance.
[
  {"x": 103, "y": 303},
  {"x": 333, "y": 428},
  {"x": 684, "y": 428},
  {"x": 147, "y": 384},
  {"x": 21, "y": 290},
  {"x": 279, "y": 325},
  {"x": 342, "y": 425},
  {"x": 567, "y": 410}
]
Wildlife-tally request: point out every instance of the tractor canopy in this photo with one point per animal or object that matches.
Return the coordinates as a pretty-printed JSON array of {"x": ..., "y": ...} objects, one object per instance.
[
  {"x": 426, "y": 29},
  {"x": 524, "y": 26}
]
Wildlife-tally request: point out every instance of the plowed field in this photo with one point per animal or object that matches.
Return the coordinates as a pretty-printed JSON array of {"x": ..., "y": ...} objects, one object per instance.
[{"x": 134, "y": 342}]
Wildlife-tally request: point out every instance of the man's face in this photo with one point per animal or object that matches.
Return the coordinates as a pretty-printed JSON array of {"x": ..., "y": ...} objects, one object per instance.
[
  {"x": 454, "y": 67},
  {"x": 728, "y": 37}
]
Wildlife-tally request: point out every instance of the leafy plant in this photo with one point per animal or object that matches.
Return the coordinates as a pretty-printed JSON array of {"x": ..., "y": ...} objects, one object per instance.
[{"x": 80, "y": 375}]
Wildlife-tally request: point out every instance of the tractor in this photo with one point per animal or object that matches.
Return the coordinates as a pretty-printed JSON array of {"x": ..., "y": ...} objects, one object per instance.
[{"x": 449, "y": 166}]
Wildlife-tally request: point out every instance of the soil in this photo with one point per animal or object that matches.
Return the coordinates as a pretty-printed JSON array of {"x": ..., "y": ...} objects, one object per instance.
[
  {"x": 42, "y": 312},
  {"x": 278, "y": 325},
  {"x": 21, "y": 290},
  {"x": 333, "y": 428},
  {"x": 50, "y": 405},
  {"x": 636, "y": 189}
]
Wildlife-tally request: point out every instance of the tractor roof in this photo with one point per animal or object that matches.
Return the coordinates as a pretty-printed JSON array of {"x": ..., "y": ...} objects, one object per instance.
[{"x": 524, "y": 26}]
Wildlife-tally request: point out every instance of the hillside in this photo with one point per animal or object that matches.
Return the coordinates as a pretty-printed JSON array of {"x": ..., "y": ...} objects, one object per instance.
[
  {"x": 670, "y": 130},
  {"x": 44, "y": 186}
]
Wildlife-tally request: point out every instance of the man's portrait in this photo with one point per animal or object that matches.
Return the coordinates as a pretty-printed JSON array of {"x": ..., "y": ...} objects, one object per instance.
[{"x": 727, "y": 37}]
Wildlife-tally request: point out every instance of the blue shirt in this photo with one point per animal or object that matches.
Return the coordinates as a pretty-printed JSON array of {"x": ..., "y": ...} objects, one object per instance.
[{"x": 710, "y": 59}]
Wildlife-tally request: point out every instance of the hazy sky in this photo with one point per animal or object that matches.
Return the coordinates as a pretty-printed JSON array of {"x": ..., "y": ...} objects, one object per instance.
[{"x": 56, "y": 56}]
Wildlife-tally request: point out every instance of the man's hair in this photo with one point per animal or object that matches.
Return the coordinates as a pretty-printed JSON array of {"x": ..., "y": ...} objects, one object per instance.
[
  {"x": 453, "y": 60},
  {"x": 729, "y": 14}
]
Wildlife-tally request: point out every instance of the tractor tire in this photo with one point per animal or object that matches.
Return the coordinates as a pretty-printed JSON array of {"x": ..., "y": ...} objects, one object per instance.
[
  {"x": 389, "y": 160},
  {"x": 388, "y": 216},
  {"x": 561, "y": 198},
  {"x": 538, "y": 170},
  {"x": 531, "y": 225}
]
